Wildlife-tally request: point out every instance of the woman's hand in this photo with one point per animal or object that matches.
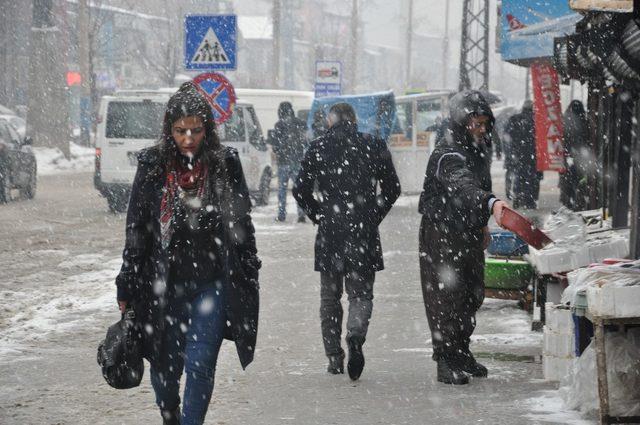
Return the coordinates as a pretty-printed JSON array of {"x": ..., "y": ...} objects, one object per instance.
[
  {"x": 497, "y": 210},
  {"x": 486, "y": 237},
  {"x": 122, "y": 305}
]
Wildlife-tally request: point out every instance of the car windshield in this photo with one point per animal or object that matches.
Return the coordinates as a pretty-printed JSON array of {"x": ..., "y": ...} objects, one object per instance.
[{"x": 134, "y": 120}]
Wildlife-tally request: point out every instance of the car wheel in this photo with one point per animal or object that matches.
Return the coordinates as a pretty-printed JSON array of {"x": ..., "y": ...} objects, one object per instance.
[
  {"x": 265, "y": 189},
  {"x": 5, "y": 190},
  {"x": 118, "y": 200},
  {"x": 29, "y": 192}
]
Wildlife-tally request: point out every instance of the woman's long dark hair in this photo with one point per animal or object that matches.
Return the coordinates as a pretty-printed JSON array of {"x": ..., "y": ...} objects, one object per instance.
[{"x": 188, "y": 102}]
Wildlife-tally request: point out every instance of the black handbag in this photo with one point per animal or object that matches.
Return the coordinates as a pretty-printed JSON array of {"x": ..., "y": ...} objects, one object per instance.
[{"x": 120, "y": 353}]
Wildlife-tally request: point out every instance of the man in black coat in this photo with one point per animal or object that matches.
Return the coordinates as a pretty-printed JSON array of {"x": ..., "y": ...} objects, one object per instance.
[
  {"x": 522, "y": 140},
  {"x": 578, "y": 158},
  {"x": 348, "y": 166},
  {"x": 456, "y": 204},
  {"x": 288, "y": 139}
]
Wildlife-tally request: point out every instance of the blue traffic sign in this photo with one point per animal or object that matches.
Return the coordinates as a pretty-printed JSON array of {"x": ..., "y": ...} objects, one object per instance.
[
  {"x": 219, "y": 93},
  {"x": 210, "y": 42}
]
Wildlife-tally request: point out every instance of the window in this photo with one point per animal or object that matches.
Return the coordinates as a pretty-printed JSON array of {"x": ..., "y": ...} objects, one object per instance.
[
  {"x": 15, "y": 137},
  {"x": 428, "y": 119},
  {"x": 5, "y": 136},
  {"x": 401, "y": 133},
  {"x": 253, "y": 126},
  {"x": 135, "y": 120},
  {"x": 233, "y": 129}
]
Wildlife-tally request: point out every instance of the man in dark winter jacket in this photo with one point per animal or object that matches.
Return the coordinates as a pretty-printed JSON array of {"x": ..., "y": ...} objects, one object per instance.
[
  {"x": 520, "y": 130},
  {"x": 456, "y": 204},
  {"x": 289, "y": 143},
  {"x": 573, "y": 182},
  {"x": 348, "y": 167}
]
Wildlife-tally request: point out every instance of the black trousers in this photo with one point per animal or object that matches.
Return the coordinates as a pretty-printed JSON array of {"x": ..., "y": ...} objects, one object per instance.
[
  {"x": 452, "y": 277},
  {"x": 359, "y": 287}
]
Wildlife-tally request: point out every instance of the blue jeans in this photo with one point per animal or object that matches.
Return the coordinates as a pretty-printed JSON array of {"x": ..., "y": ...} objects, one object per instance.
[
  {"x": 285, "y": 173},
  {"x": 194, "y": 327}
]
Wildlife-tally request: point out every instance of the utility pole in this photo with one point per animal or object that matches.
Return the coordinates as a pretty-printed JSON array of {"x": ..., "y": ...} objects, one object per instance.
[
  {"x": 474, "y": 52},
  {"x": 276, "y": 20},
  {"x": 355, "y": 23},
  {"x": 47, "y": 110},
  {"x": 408, "y": 58},
  {"x": 445, "y": 46},
  {"x": 287, "y": 44},
  {"x": 85, "y": 73}
]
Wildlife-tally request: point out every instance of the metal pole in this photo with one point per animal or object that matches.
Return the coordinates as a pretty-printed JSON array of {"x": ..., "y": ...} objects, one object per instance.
[
  {"x": 408, "y": 58},
  {"x": 485, "y": 80},
  {"x": 445, "y": 47},
  {"x": 464, "y": 82},
  {"x": 355, "y": 23},
  {"x": 276, "y": 18},
  {"x": 83, "y": 58}
]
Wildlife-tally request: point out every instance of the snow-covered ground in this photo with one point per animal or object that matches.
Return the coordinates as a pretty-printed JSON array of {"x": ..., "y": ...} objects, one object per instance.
[
  {"x": 52, "y": 161},
  {"x": 58, "y": 299}
]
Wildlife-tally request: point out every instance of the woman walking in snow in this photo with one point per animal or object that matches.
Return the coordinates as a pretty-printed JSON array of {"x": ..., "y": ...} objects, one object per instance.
[{"x": 190, "y": 265}]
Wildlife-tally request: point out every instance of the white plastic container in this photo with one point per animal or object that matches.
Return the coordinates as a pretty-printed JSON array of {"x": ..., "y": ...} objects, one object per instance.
[{"x": 613, "y": 301}]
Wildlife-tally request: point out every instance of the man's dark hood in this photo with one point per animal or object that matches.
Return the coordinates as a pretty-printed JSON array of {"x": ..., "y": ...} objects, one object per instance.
[
  {"x": 466, "y": 104},
  {"x": 462, "y": 107}
]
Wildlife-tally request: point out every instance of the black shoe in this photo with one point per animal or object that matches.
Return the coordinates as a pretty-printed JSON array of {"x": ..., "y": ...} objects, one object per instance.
[
  {"x": 302, "y": 219},
  {"x": 356, "y": 360},
  {"x": 449, "y": 373},
  {"x": 170, "y": 417},
  {"x": 469, "y": 364},
  {"x": 336, "y": 365},
  {"x": 281, "y": 218}
]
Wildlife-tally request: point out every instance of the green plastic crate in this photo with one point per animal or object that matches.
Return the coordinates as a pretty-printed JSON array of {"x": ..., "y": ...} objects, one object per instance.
[{"x": 507, "y": 274}]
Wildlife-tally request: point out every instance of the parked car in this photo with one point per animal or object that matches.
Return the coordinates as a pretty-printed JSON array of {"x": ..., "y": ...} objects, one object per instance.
[
  {"x": 18, "y": 123},
  {"x": 132, "y": 120},
  {"x": 18, "y": 168}
]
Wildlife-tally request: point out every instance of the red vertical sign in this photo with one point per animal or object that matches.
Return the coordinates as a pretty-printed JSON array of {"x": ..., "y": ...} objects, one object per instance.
[{"x": 548, "y": 116}]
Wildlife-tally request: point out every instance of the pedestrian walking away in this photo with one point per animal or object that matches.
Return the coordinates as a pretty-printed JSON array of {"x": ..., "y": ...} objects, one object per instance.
[
  {"x": 579, "y": 161},
  {"x": 348, "y": 167},
  {"x": 190, "y": 265},
  {"x": 456, "y": 204},
  {"x": 289, "y": 142},
  {"x": 522, "y": 146}
]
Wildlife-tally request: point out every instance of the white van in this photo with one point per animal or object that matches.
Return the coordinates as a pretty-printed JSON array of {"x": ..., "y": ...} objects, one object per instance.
[
  {"x": 266, "y": 103},
  {"x": 131, "y": 120}
]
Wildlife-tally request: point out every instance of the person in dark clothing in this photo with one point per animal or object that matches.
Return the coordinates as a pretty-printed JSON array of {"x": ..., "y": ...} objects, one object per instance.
[
  {"x": 573, "y": 182},
  {"x": 190, "y": 265},
  {"x": 348, "y": 167},
  {"x": 319, "y": 125},
  {"x": 522, "y": 146},
  {"x": 289, "y": 144},
  {"x": 456, "y": 204}
]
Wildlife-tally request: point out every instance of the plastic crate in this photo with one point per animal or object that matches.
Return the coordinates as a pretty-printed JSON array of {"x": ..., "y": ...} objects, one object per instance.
[
  {"x": 507, "y": 244},
  {"x": 507, "y": 274}
]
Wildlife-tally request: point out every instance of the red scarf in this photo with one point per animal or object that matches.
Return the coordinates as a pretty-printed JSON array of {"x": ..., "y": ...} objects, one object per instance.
[{"x": 179, "y": 179}]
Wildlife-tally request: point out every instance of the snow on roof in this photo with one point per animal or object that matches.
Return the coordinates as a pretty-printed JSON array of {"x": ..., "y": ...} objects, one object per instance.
[
  {"x": 123, "y": 11},
  {"x": 255, "y": 27}
]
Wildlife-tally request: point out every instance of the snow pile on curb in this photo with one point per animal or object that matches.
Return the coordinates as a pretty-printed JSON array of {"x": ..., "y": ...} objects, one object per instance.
[{"x": 52, "y": 161}]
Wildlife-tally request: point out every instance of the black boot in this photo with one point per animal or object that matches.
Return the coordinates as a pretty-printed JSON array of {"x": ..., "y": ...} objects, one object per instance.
[
  {"x": 469, "y": 364},
  {"x": 170, "y": 417},
  {"x": 450, "y": 373},
  {"x": 356, "y": 360},
  {"x": 336, "y": 365}
]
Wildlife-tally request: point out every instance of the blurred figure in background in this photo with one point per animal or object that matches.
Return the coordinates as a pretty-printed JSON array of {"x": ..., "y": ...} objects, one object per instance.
[
  {"x": 289, "y": 142},
  {"x": 573, "y": 182},
  {"x": 522, "y": 148}
]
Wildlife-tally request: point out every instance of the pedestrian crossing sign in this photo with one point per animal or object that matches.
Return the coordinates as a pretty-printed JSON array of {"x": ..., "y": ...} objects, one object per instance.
[{"x": 210, "y": 42}]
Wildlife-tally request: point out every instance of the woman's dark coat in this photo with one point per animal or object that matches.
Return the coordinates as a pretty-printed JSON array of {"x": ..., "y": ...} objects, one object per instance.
[
  {"x": 347, "y": 166},
  {"x": 143, "y": 278}
]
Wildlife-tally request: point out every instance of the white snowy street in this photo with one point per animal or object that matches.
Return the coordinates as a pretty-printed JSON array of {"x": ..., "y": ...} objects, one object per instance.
[{"x": 58, "y": 298}]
